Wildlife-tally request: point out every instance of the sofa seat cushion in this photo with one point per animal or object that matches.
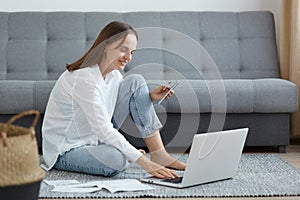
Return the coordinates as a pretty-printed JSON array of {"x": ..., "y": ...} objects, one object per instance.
[
  {"x": 233, "y": 96},
  {"x": 19, "y": 95},
  {"x": 193, "y": 96}
]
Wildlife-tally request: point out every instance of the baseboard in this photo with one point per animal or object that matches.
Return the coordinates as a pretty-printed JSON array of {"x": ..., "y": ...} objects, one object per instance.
[{"x": 295, "y": 140}]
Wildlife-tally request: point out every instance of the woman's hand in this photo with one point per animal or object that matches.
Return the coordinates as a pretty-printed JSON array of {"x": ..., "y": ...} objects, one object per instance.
[
  {"x": 142, "y": 151},
  {"x": 158, "y": 92},
  {"x": 155, "y": 169}
]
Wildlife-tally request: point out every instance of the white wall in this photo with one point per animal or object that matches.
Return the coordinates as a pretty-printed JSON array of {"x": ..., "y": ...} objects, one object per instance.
[
  {"x": 137, "y": 5},
  {"x": 142, "y": 5}
]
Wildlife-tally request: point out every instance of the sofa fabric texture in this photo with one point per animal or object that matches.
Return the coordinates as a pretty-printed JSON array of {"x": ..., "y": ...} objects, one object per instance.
[{"x": 35, "y": 47}]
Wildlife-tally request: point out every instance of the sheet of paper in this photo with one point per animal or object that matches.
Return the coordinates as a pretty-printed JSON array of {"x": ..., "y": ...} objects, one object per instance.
[
  {"x": 72, "y": 189},
  {"x": 89, "y": 184},
  {"x": 60, "y": 182},
  {"x": 125, "y": 185},
  {"x": 93, "y": 186}
]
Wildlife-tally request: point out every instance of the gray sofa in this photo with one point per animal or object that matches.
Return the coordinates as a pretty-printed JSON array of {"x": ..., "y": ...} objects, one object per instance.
[{"x": 227, "y": 62}]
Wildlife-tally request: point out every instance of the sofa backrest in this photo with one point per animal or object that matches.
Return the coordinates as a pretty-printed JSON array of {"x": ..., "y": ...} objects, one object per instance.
[{"x": 37, "y": 45}]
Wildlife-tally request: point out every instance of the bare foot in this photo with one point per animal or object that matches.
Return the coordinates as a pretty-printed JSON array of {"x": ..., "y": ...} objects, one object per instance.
[{"x": 165, "y": 159}]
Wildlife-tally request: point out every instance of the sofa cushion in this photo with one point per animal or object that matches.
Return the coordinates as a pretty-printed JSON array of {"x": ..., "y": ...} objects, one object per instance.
[
  {"x": 17, "y": 96},
  {"x": 37, "y": 45},
  {"x": 242, "y": 45},
  {"x": 194, "y": 96},
  {"x": 41, "y": 91},
  {"x": 233, "y": 96}
]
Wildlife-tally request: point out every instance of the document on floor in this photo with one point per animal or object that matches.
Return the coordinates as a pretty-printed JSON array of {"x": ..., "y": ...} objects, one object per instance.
[{"x": 120, "y": 185}]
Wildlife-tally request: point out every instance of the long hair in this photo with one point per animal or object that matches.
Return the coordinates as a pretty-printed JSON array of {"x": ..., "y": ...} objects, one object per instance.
[{"x": 110, "y": 33}]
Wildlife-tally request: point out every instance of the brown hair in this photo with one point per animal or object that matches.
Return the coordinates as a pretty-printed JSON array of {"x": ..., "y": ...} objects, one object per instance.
[{"x": 109, "y": 34}]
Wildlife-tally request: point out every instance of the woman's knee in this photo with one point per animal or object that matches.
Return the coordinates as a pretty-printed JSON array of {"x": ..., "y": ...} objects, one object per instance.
[
  {"x": 109, "y": 156},
  {"x": 135, "y": 81},
  {"x": 103, "y": 160},
  {"x": 119, "y": 160},
  {"x": 108, "y": 172},
  {"x": 112, "y": 160}
]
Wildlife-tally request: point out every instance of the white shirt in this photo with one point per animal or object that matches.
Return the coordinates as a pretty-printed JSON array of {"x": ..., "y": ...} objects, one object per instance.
[{"x": 79, "y": 112}]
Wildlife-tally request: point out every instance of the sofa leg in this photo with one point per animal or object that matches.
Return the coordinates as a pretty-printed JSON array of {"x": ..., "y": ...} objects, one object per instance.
[{"x": 281, "y": 149}]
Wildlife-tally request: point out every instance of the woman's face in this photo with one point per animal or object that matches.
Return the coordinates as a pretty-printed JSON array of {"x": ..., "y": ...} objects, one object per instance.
[{"x": 119, "y": 53}]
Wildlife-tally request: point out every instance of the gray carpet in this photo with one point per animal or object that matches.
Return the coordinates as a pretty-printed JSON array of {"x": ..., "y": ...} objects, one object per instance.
[{"x": 259, "y": 175}]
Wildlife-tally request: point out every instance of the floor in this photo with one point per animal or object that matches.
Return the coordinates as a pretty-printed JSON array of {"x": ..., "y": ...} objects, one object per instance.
[{"x": 292, "y": 156}]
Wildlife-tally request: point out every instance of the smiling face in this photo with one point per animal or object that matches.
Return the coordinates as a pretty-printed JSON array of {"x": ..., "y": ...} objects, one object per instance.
[{"x": 119, "y": 53}]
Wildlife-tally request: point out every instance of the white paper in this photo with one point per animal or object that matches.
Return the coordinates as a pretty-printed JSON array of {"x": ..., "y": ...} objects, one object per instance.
[
  {"x": 125, "y": 185},
  {"x": 93, "y": 186},
  {"x": 75, "y": 189},
  {"x": 61, "y": 182}
]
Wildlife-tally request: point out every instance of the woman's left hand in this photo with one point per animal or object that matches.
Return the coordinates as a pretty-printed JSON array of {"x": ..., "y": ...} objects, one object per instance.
[{"x": 158, "y": 92}]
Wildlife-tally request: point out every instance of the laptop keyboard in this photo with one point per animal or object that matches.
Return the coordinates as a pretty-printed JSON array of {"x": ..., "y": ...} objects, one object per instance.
[{"x": 174, "y": 180}]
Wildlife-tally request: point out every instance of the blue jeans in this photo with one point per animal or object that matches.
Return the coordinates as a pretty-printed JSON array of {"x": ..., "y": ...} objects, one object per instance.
[{"x": 133, "y": 98}]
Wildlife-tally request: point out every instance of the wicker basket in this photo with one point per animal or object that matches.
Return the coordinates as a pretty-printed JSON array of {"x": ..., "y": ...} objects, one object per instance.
[{"x": 19, "y": 158}]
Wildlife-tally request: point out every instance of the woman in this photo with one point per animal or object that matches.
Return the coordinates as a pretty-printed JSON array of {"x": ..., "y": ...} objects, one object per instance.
[{"x": 78, "y": 132}]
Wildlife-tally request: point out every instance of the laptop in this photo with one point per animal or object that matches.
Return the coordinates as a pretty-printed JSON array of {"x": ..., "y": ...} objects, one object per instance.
[{"x": 213, "y": 157}]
